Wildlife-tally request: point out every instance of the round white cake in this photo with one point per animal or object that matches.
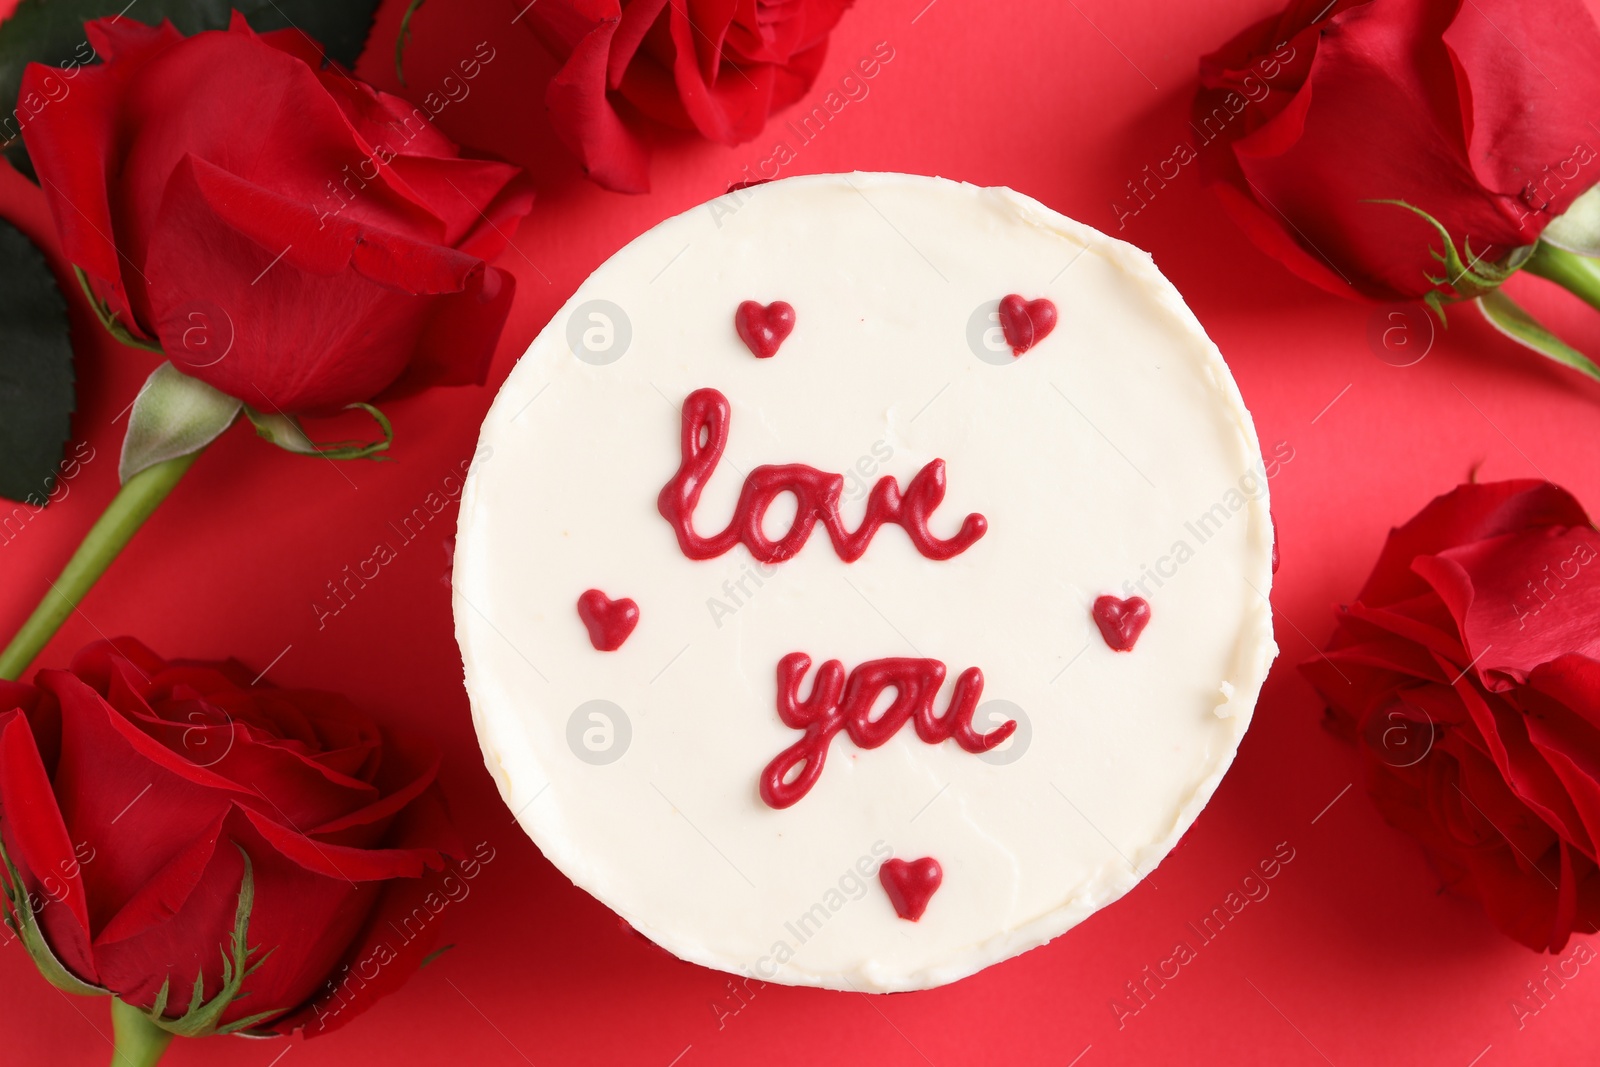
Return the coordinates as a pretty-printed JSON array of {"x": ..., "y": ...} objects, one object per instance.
[{"x": 863, "y": 579}]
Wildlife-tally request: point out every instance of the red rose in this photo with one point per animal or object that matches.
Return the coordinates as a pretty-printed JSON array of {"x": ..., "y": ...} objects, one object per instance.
[
  {"x": 1474, "y": 112},
  {"x": 228, "y": 192},
  {"x": 716, "y": 66},
  {"x": 1468, "y": 670},
  {"x": 131, "y": 789}
]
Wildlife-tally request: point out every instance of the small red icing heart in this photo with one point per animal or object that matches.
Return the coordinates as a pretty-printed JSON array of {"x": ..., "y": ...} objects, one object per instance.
[
  {"x": 609, "y": 621},
  {"x": 1121, "y": 621},
  {"x": 910, "y": 884},
  {"x": 1026, "y": 322},
  {"x": 763, "y": 327}
]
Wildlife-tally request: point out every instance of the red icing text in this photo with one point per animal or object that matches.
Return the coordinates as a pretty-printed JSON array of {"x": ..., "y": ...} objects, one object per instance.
[
  {"x": 705, "y": 435},
  {"x": 835, "y": 704}
]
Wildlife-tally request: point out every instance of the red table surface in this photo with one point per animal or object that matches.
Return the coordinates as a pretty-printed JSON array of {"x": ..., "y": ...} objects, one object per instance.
[{"x": 1354, "y": 957}]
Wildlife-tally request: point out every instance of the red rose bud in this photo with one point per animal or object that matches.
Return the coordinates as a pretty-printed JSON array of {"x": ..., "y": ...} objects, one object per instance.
[
  {"x": 289, "y": 235},
  {"x": 161, "y": 817},
  {"x": 1308, "y": 117},
  {"x": 1468, "y": 673},
  {"x": 717, "y": 69}
]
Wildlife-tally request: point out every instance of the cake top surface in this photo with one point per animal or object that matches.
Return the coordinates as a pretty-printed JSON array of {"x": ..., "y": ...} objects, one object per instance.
[{"x": 687, "y": 468}]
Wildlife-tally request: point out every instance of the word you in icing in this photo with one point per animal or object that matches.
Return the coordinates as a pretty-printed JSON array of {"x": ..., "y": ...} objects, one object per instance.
[
  {"x": 837, "y": 704},
  {"x": 706, "y": 416}
]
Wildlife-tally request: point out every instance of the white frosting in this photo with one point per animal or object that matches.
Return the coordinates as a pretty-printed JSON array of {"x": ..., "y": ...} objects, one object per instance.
[{"x": 1092, "y": 456}]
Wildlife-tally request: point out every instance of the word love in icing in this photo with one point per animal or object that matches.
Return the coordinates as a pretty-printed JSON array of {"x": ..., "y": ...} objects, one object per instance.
[
  {"x": 763, "y": 327},
  {"x": 706, "y": 417},
  {"x": 835, "y": 704}
]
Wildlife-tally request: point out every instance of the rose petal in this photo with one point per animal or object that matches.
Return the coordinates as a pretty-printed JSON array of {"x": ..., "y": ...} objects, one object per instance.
[
  {"x": 730, "y": 109},
  {"x": 1433, "y": 632},
  {"x": 134, "y": 801},
  {"x": 1468, "y": 513},
  {"x": 457, "y": 340},
  {"x": 40, "y": 846},
  {"x": 287, "y": 105},
  {"x": 96, "y": 663},
  {"x": 160, "y": 898},
  {"x": 399, "y": 934},
  {"x": 1241, "y": 65},
  {"x": 1563, "y": 724},
  {"x": 584, "y": 119},
  {"x": 710, "y": 20},
  {"x": 43, "y": 715},
  {"x": 1267, "y": 234},
  {"x": 634, "y": 23},
  {"x": 1521, "y": 599},
  {"x": 303, "y": 920},
  {"x": 1383, "y": 124},
  {"x": 72, "y": 145},
  {"x": 368, "y": 822},
  {"x": 1523, "y": 781},
  {"x": 128, "y": 41},
  {"x": 342, "y": 862},
  {"x": 1491, "y": 42},
  {"x": 332, "y": 322}
]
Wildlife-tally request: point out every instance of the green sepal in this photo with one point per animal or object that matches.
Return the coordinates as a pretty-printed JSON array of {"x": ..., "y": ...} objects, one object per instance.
[
  {"x": 1435, "y": 303},
  {"x": 20, "y": 918},
  {"x": 1505, "y": 315},
  {"x": 1578, "y": 230},
  {"x": 281, "y": 430},
  {"x": 1463, "y": 279},
  {"x": 286, "y": 432},
  {"x": 173, "y": 415},
  {"x": 201, "y": 1017},
  {"x": 108, "y": 318}
]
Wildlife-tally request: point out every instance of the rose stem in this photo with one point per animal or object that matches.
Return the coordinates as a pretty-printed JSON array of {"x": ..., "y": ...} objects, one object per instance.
[
  {"x": 133, "y": 504},
  {"x": 140, "y": 1042},
  {"x": 1577, "y": 274}
]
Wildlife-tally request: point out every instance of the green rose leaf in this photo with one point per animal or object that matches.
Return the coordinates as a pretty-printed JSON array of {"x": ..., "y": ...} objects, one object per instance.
[
  {"x": 1507, "y": 316},
  {"x": 36, "y": 394},
  {"x": 51, "y": 31}
]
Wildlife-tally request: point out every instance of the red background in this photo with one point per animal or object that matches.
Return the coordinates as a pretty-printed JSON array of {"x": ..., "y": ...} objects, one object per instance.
[{"x": 1355, "y": 957}]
